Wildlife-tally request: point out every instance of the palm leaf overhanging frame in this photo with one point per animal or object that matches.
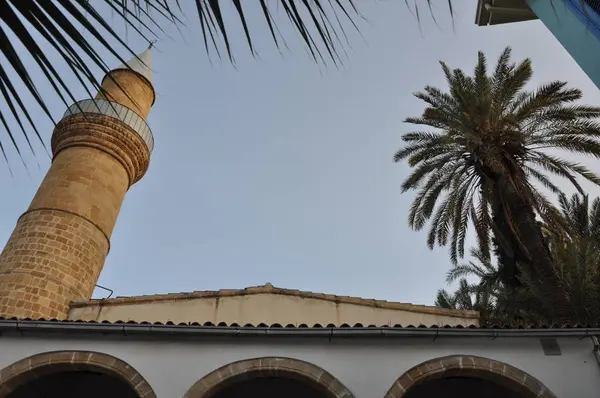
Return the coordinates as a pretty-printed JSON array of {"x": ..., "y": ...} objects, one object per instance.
[
  {"x": 321, "y": 24},
  {"x": 78, "y": 33}
]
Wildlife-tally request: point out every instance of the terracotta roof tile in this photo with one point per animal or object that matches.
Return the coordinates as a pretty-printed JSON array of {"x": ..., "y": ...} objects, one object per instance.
[{"x": 314, "y": 326}]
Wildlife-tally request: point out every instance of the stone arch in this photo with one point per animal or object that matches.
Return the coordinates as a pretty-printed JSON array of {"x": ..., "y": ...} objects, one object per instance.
[
  {"x": 47, "y": 363},
  {"x": 268, "y": 367},
  {"x": 470, "y": 366}
]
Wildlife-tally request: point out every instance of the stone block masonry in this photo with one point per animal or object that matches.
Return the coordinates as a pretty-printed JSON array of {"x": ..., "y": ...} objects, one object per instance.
[
  {"x": 51, "y": 258},
  {"x": 137, "y": 94},
  {"x": 59, "y": 246}
]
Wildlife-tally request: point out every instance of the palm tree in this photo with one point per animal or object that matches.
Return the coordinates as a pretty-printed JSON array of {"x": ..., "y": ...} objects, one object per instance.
[
  {"x": 495, "y": 299},
  {"x": 576, "y": 253},
  {"x": 77, "y": 32},
  {"x": 468, "y": 296},
  {"x": 480, "y": 266},
  {"x": 487, "y": 146},
  {"x": 461, "y": 299},
  {"x": 575, "y": 249}
]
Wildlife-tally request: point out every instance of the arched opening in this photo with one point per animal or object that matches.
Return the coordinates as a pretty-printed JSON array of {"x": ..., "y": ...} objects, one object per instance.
[
  {"x": 72, "y": 374},
  {"x": 461, "y": 387},
  {"x": 74, "y": 384},
  {"x": 467, "y": 376},
  {"x": 271, "y": 377},
  {"x": 270, "y": 387}
]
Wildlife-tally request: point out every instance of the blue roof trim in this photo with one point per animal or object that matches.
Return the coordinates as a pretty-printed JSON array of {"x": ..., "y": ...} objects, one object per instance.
[{"x": 588, "y": 16}]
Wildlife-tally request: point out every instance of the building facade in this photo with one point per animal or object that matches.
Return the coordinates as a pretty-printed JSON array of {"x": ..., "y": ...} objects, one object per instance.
[
  {"x": 574, "y": 23},
  {"x": 263, "y": 341},
  {"x": 266, "y": 305},
  {"x": 192, "y": 361}
]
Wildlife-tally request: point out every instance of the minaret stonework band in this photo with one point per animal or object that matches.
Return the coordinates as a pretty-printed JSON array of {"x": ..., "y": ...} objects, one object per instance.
[{"x": 100, "y": 148}]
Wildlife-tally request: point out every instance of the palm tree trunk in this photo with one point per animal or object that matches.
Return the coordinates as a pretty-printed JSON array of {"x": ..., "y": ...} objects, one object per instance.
[
  {"x": 506, "y": 247},
  {"x": 530, "y": 234}
]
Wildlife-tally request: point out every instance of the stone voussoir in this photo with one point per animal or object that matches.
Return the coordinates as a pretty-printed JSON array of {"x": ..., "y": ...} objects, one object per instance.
[
  {"x": 29, "y": 368},
  {"x": 267, "y": 366},
  {"x": 470, "y": 366}
]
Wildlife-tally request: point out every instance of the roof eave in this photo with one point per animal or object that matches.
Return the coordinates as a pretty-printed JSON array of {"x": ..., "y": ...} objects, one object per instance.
[
  {"x": 164, "y": 331},
  {"x": 499, "y": 12},
  {"x": 479, "y": 13}
]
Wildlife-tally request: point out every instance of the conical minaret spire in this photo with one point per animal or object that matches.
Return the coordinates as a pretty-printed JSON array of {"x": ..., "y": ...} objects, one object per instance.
[
  {"x": 142, "y": 64},
  {"x": 137, "y": 92},
  {"x": 100, "y": 148}
]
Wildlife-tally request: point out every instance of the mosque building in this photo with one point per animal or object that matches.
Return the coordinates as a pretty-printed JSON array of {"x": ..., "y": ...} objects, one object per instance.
[{"x": 263, "y": 341}]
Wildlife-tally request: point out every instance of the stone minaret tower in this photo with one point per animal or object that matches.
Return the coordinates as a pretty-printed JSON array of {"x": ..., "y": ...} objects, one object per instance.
[{"x": 100, "y": 148}]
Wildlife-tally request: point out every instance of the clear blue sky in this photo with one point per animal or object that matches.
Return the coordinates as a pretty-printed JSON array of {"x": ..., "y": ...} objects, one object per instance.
[{"x": 280, "y": 170}]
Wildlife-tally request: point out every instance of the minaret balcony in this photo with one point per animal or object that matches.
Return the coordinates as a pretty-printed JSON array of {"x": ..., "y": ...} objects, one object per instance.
[{"x": 116, "y": 111}]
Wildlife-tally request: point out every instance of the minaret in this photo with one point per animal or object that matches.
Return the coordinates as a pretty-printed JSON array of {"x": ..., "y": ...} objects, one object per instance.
[{"x": 100, "y": 148}]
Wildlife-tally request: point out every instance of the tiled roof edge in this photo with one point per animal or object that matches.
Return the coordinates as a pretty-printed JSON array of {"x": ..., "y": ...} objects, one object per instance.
[
  {"x": 132, "y": 328},
  {"x": 267, "y": 289}
]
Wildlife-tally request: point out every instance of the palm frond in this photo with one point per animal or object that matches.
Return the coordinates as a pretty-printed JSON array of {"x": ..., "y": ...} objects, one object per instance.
[
  {"x": 486, "y": 126},
  {"x": 81, "y": 37},
  {"x": 445, "y": 300}
]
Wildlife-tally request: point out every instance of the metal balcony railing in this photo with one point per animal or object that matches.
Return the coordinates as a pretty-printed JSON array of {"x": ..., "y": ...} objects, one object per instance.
[{"x": 117, "y": 111}]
